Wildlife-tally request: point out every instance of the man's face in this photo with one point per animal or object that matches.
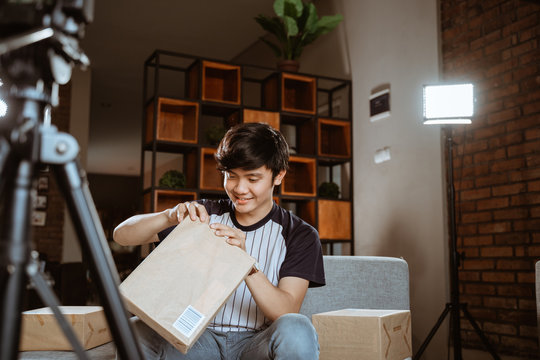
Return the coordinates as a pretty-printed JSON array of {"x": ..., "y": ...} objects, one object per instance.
[{"x": 251, "y": 192}]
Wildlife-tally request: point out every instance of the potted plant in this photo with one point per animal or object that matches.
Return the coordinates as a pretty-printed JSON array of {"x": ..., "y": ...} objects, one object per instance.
[
  {"x": 173, "y": 179},
  {"x": 295, "y": 26}
]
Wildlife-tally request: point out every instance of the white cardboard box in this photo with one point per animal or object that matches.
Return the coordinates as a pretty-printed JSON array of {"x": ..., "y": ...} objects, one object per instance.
[
  {"x": 364, "y": 334},
  {"x": 40, "y": 330},
  {"x": 180, "y": 286}
]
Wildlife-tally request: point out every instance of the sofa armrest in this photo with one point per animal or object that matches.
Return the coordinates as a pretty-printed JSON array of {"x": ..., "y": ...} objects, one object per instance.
[{"x": 362, "y": 282}]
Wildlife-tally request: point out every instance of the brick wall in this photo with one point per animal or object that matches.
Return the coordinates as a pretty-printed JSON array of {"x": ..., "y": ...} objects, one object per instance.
[
  {"x": 494, "y": 44},
  {"x": 48, "y": 239}
]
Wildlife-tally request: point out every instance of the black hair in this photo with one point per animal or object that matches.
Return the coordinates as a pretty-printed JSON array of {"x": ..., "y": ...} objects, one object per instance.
[{"x": 249, "y": 146}]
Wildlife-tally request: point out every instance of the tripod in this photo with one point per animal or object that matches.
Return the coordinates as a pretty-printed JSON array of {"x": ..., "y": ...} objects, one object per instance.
[
  {"x": 33, "y": 64},
  {"x": 454, "y": 307}
]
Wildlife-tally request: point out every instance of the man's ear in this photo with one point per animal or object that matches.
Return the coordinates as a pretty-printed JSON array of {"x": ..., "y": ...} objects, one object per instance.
[{"x": 279, "y": 177}]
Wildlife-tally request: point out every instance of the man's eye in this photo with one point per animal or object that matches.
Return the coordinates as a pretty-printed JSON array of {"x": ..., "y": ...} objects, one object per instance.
[{"x": 254, "y": 180}]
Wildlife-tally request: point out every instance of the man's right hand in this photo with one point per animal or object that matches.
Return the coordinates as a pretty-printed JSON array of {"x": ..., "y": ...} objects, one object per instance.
[{"x": 192, "y": 209}]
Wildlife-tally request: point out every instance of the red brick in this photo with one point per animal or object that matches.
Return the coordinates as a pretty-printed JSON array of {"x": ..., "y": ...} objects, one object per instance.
[
  {"x": 531, "y": 134},
  {"x": 519, "y": 250},
  {"x": 492, "y": 179},
  {"x": 476, "y": 217},
  {"x": 477, "y": 170},
  {"x": 506, "y": 139},
  {"x": 467, "y": 230},
  {"x": 498, "y": 328},
  {"x": 514, "y": 238},
  {"x": 519, "y": 343},
  {"x": 493, "y": 203},
  {"x": 503, "y": 91},
  {"x": 522, "y": 123},
  {"x": 496, "y": 251},
  {"x": 533, "y": 186},
  {"x": 480, "y": 289},
  {"x": 524, "y": 148},
  {"x": 478, "y": 264},
  {"x": 505, "y": 165},
  {"x": 478, "y": 240},
  {"x": 500, "y": 302},
  {"x": 475, "y": 194},
  {"x": 525, "y": 199},
  {"x": 511, "y": 214},
  {"x": 525, "y": 175},
  {"x": 488, "y": 132},
  {"x": 499, "y": 277},
  {"x": 515, "y": 290},
  {"x": 474, "y": 147},
  {"x": 472, "y": 300},
  {"x": 513, "y": 264},
  {"x": 528, "y": 331},
  {"x": 504, "y": 115},
  {"x": 527, "y": 304},
  {"x": 508, "y": 189},
  {"x": 535, "y": 212},
  {"x": 527, "y": 225},
  {"x": 528, "y": 277},
  {"x": 496, "y": 227},
  {"x": 490, "y": 155}
]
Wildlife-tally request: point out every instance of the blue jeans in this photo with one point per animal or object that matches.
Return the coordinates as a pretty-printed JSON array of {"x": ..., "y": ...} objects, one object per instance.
[{"x": 290, "y": 337}]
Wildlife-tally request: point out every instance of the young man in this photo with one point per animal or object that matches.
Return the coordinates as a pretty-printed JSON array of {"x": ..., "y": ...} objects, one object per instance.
[{"x": 260, "y": 320}]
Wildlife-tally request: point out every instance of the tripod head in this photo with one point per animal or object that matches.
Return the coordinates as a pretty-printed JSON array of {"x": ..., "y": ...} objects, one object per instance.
[{"x": 39, "y": 45}]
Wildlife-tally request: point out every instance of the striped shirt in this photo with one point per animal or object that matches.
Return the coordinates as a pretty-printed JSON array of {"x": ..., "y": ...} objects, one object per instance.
[{"x": 283, "y": 245}]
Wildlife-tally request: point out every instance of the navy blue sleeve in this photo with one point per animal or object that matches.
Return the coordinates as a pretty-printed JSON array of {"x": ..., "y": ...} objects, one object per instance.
[{"x": 304, "y": 254}]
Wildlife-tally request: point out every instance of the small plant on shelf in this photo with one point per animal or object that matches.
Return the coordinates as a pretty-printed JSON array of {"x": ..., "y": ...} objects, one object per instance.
[
  {"x": 329, "y": 190},
  {"x": 295, "y": 26},
  {"x": 173, "y": 179},
  {"x": 215, "y": 133}
]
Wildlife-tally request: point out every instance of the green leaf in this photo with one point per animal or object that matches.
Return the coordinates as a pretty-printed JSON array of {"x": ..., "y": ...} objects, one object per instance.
[
  {"x": 292, "y": 8},
  {"x": 290, "y": 25},
  {"x": 328, "y": 23},
  {"x": 274, "y": 26},
  {"x": 312, "y": 19}
]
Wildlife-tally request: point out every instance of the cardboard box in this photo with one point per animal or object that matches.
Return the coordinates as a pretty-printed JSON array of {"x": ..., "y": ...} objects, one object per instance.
[
  {"x": 180, "y": 286},
  {"x": 40, "y": 331},
  {"x": 364, "y": 334}
]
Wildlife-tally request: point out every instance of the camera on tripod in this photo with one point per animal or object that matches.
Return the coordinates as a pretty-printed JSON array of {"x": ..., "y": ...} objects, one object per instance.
[{"x": 39, "y": 45}]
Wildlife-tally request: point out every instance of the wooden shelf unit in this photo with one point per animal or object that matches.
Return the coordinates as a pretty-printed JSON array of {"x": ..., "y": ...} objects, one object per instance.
[{"x": 313, "y": 113}]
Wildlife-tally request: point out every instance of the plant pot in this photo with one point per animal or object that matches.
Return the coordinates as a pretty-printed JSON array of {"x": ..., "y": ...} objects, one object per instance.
[{"x": 288, "y": 65}]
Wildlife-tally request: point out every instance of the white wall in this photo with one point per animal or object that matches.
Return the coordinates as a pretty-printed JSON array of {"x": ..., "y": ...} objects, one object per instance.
[
  {"x": 399, "y": 204},
  {"x": 79, "y": 123}
]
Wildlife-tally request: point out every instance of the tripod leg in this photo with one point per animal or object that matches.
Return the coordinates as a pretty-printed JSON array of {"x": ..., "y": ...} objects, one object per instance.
[
  {"x": 432, "y": 332},
  {"x": 49, "y": 298},
  {"x": 14, "y": 257},
  {"x": 72, "y": 181},
  {"x": 485, "y": 341}
]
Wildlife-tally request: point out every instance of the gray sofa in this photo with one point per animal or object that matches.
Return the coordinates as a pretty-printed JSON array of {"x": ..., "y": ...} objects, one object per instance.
[{"x": 363, "y": 282}]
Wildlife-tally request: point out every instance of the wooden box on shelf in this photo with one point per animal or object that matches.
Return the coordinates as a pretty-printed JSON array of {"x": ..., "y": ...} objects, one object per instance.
[
  {"x": 300, "y": 178},
  {"x": 334, "y": 138},
  {"x": 220, "y": 82},
  {"x": 269, "y": 117},
  {"x": 298, "y": 93},
  {"x": 304, "y": 209},
  {"x": 334, "y": 219},
  {"x": 166, "y": 199},
  {"x": 210, "y": 176},
  {"x": 177, "y": 120}
]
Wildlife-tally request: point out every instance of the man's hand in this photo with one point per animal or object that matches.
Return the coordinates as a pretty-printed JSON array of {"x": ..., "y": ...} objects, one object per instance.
[
  {"x": 234, "y": 237},
  {"x": 192, "y": 209}
]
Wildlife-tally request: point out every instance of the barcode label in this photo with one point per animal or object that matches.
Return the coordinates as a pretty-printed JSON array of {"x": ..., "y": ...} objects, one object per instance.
[{"x": 188, "y": 322}]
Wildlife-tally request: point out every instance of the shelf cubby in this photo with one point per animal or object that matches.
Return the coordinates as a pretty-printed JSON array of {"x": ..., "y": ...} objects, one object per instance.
[
  {"x": 160, "y": 199},
  {"x": 300, "y": 133},
  {"x": 334, "y": 138},
  {"x": 298, "y": 93},
  {"x": 219, "y": 82},
  {"x": 210, "y": 177},
  {"x": 184, "y": 161},
  {"x": 269, "y": 117},
  {"x": 300, "y": 178},
  {"x": 304, "y": 209},
  {"x": 177, "y": 120},
  {"x": 334, "y": 219}
]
